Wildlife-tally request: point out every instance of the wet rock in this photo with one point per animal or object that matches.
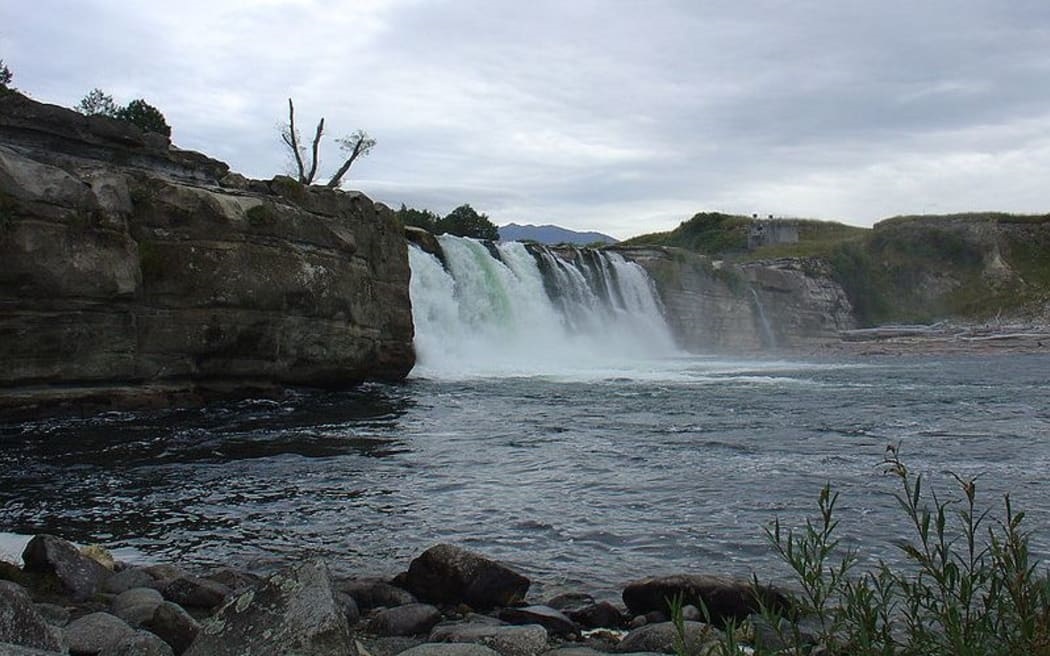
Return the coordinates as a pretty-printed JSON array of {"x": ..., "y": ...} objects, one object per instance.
[
  {"x": 368, "y": 645},
  {"x": 133, "y": 577},
  {"x": 11, "y": 649},
  {"x": 373, "y": 593},
  {"x": 407, "y": 620},
  {"x": 195, "y": 592},
  {"x": 590, "y": 651},
  {"x": 163, "y": 572},
  {"x": 437, "y": 649},
  {"x": 137, "y": 605},
  {"x": 349, "y": 607},
  {"x": 527, "y": 640},
  {"x": 691, "y": 613},
  {"x": 95, "y": 632},
  {"x": 20, "y": 623},
  {"x": 602, "y": 615},
  {"x": 553, "y": 620},
  {"x": 445, "y": 574},
  {"x": 637, "y": 622},
  {"x": 725, "y": 598},
  {"x": 172, "y": 624},
  {"x": 292, "y": 611},
  {"x": 140, "y": 643},
  {"x": 81, "y": 576},
  {"x": 655, "y": 617},
  {"x": 53, "y": 614},
  {"x": 235, "y": 579},
  {"x": 571, "y": 601},
  {"x": 700, "y": 638}
]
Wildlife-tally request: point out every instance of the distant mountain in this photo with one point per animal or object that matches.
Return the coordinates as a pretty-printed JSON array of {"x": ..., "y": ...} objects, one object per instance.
[{"x": 550, "y": 234}]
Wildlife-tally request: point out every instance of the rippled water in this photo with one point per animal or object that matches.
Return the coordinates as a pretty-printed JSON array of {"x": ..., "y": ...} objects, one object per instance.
[{"x": 586, "y": 480}]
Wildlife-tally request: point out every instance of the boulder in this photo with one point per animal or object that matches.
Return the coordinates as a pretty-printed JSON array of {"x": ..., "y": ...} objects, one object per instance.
[
  {"x": 292, "y": 611},
  {"x": 725, "y": 598},
  {"x": 373, "y": 593},
  {"x": 553, "y": 620},
  {"x": 195, "y": 592},
  {"x": 446, "y": 574},
  {"x": 601, "y": 615},
  {"x": 133, "y": 577},
  {"x": 93, "y": 633},
  {"x": 411, "y": 619},
  {"x": 140, "y": 643},
  {"x": 137, "y": 605},
  {"x": 235, "y": 579},
  {"x": 172, "y": 624},
  {"x": 81, "y": 576},
  {"x": 526, "y": 640},
  {"x": 349, "y": 607},
  {"x": 700, "y": 639},
  {"x": 20, "y": 623},
  {"x": 53, "y": 614},
  {"x": 11, "y": 649},
  {"x": 570, "y": 601}
]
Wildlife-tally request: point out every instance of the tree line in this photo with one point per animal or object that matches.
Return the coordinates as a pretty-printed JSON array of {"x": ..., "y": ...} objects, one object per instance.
[{"x": 464, "y": 221}]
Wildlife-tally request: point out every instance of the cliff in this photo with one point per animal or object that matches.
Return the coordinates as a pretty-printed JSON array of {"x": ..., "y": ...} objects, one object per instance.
[
  {"x": 137, "y": 273},
  {"x": 716, "y": 306}
]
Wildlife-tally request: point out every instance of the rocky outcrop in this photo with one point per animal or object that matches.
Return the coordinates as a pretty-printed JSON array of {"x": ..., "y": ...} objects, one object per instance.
[
  {"x": 446, "y": 574},
  {"x": 138, "y": 273},
  {"x": 716, "y": 306}
]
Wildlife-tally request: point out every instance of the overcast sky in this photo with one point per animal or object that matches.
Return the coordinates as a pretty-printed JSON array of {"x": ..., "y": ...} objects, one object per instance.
[{"x": 623, "y": 117}]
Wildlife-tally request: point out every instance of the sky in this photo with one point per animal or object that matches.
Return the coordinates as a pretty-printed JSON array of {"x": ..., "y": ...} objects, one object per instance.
[{"x": 619, "y": 116}]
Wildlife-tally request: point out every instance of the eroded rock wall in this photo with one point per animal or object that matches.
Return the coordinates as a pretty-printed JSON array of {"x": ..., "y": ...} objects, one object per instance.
[
  {"x": 713, "y": 306},
  {"x": 133, "y": 271}
]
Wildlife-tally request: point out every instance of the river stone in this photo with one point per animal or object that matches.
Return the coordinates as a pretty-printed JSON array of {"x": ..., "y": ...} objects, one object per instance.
[
  {"x": 11, "y": 649},
  {"x": 407, "y": 620},
  {"x": 602, "y": 615},
  {"x": 53, "y": 614},
  {"x": 195, "y": 592},
  {"x": 140, "y": 643},
  {"x": 554, "y": 621},
  {"x": 373, "y": 593},
  {"x": 137, "y": 605},
  {"x": 173, "y": 625},
  {"x": 95, "y": 632},
  {"x": 438, "y": 649},
  {"x": 80, "y": 575},
  {"x": 451, "y": 575},
  {"x": 292, "y": 612},
  {"x": 133, "y": 577},
  {"x": 349, "y": 607},
  {"x": 525, "y": 640},
  {"x": 570, "y": 601},
  {"x": 700, "y": 638},
  {"x": 726, "y": 598},
  {"x": 20, "y": 623},
  {"x": 590, "y": 651},
  {"x": 235, "y": 579}
]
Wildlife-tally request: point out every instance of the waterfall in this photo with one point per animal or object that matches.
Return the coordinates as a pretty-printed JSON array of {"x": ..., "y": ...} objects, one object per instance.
[
  {"x": 516, "y": 309},
  {"x": 769, "y": 339}
]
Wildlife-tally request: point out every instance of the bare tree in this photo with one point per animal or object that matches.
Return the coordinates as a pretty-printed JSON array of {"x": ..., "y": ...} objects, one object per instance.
[{"x": 357, "y": 145}]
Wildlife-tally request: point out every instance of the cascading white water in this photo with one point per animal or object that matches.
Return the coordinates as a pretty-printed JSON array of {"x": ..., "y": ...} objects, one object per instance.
[{"x": 520, "y": 312}]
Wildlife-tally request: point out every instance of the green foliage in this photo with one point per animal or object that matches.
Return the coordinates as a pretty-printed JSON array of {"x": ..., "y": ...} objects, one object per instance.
[
  {"x": 464, "y": 221},
  {"x": 6, "y": 76},
  {"x": 970, "y": 588},
  {"x": 97, "y": 103},
  {"x": 144, "y": 115},
  {"x": 710, "y": 233},
  {"x": 424, "y": 219}
]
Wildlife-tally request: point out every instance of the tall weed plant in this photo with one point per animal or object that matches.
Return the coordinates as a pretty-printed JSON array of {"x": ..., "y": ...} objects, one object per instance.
[{"x": 969, "y": 587}]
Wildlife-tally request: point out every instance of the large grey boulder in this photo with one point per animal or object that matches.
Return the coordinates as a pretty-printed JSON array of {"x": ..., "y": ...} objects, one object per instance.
[
  {"x": 137, "y": 605},
  {"x": 20, "y": 623},
  {"x": 195, "y": 592},
  {"x": 81, "y": 576},
  {"x": 527, "y": 640},
  {"x": 725, "y": 598},
  {"x": 174, "y": 626},
  {"x": 700, "y": 638},
  {"x": 140, "y": 643},
  {"x": 292, "y": 612},
  {"x": 446, "y": 574},
  {"x": 93, "y": 633},
  {"x": 411, "y": 619}
]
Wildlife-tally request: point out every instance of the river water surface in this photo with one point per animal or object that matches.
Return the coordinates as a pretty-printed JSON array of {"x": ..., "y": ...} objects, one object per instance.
[{"x": 586, "y": 479}]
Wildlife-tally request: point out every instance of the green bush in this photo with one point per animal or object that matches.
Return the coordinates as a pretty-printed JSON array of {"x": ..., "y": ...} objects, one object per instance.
[{"x": 970, "y": 587}]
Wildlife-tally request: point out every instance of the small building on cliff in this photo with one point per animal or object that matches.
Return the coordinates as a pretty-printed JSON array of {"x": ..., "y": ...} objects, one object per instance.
[{"x": 767, "y": 232}]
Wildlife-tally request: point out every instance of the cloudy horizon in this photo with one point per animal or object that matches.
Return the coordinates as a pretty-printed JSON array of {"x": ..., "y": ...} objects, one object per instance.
[{"x": 619, "y": 117}]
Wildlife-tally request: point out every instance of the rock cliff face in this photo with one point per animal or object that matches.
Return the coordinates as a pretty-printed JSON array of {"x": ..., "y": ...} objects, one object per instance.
[
  {"x": 711, "y": 306},
  {"x": 134, "y": 272}
]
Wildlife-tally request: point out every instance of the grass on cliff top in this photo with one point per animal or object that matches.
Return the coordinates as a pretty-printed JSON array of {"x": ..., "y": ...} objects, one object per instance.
[
  {"x": 709, "y": 233},
  {"x": 969, "y": 586}
]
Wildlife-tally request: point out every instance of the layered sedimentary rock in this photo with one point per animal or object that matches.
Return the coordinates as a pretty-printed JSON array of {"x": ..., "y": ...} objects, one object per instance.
[
  {"x": 137, "y": 272},
  {"x": 713, "y": 306}
]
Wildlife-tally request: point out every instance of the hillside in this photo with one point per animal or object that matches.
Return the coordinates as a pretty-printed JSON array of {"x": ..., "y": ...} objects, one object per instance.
[
  {"x": 552, "y": 235},
  {"x": 905, "y": 269}
]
